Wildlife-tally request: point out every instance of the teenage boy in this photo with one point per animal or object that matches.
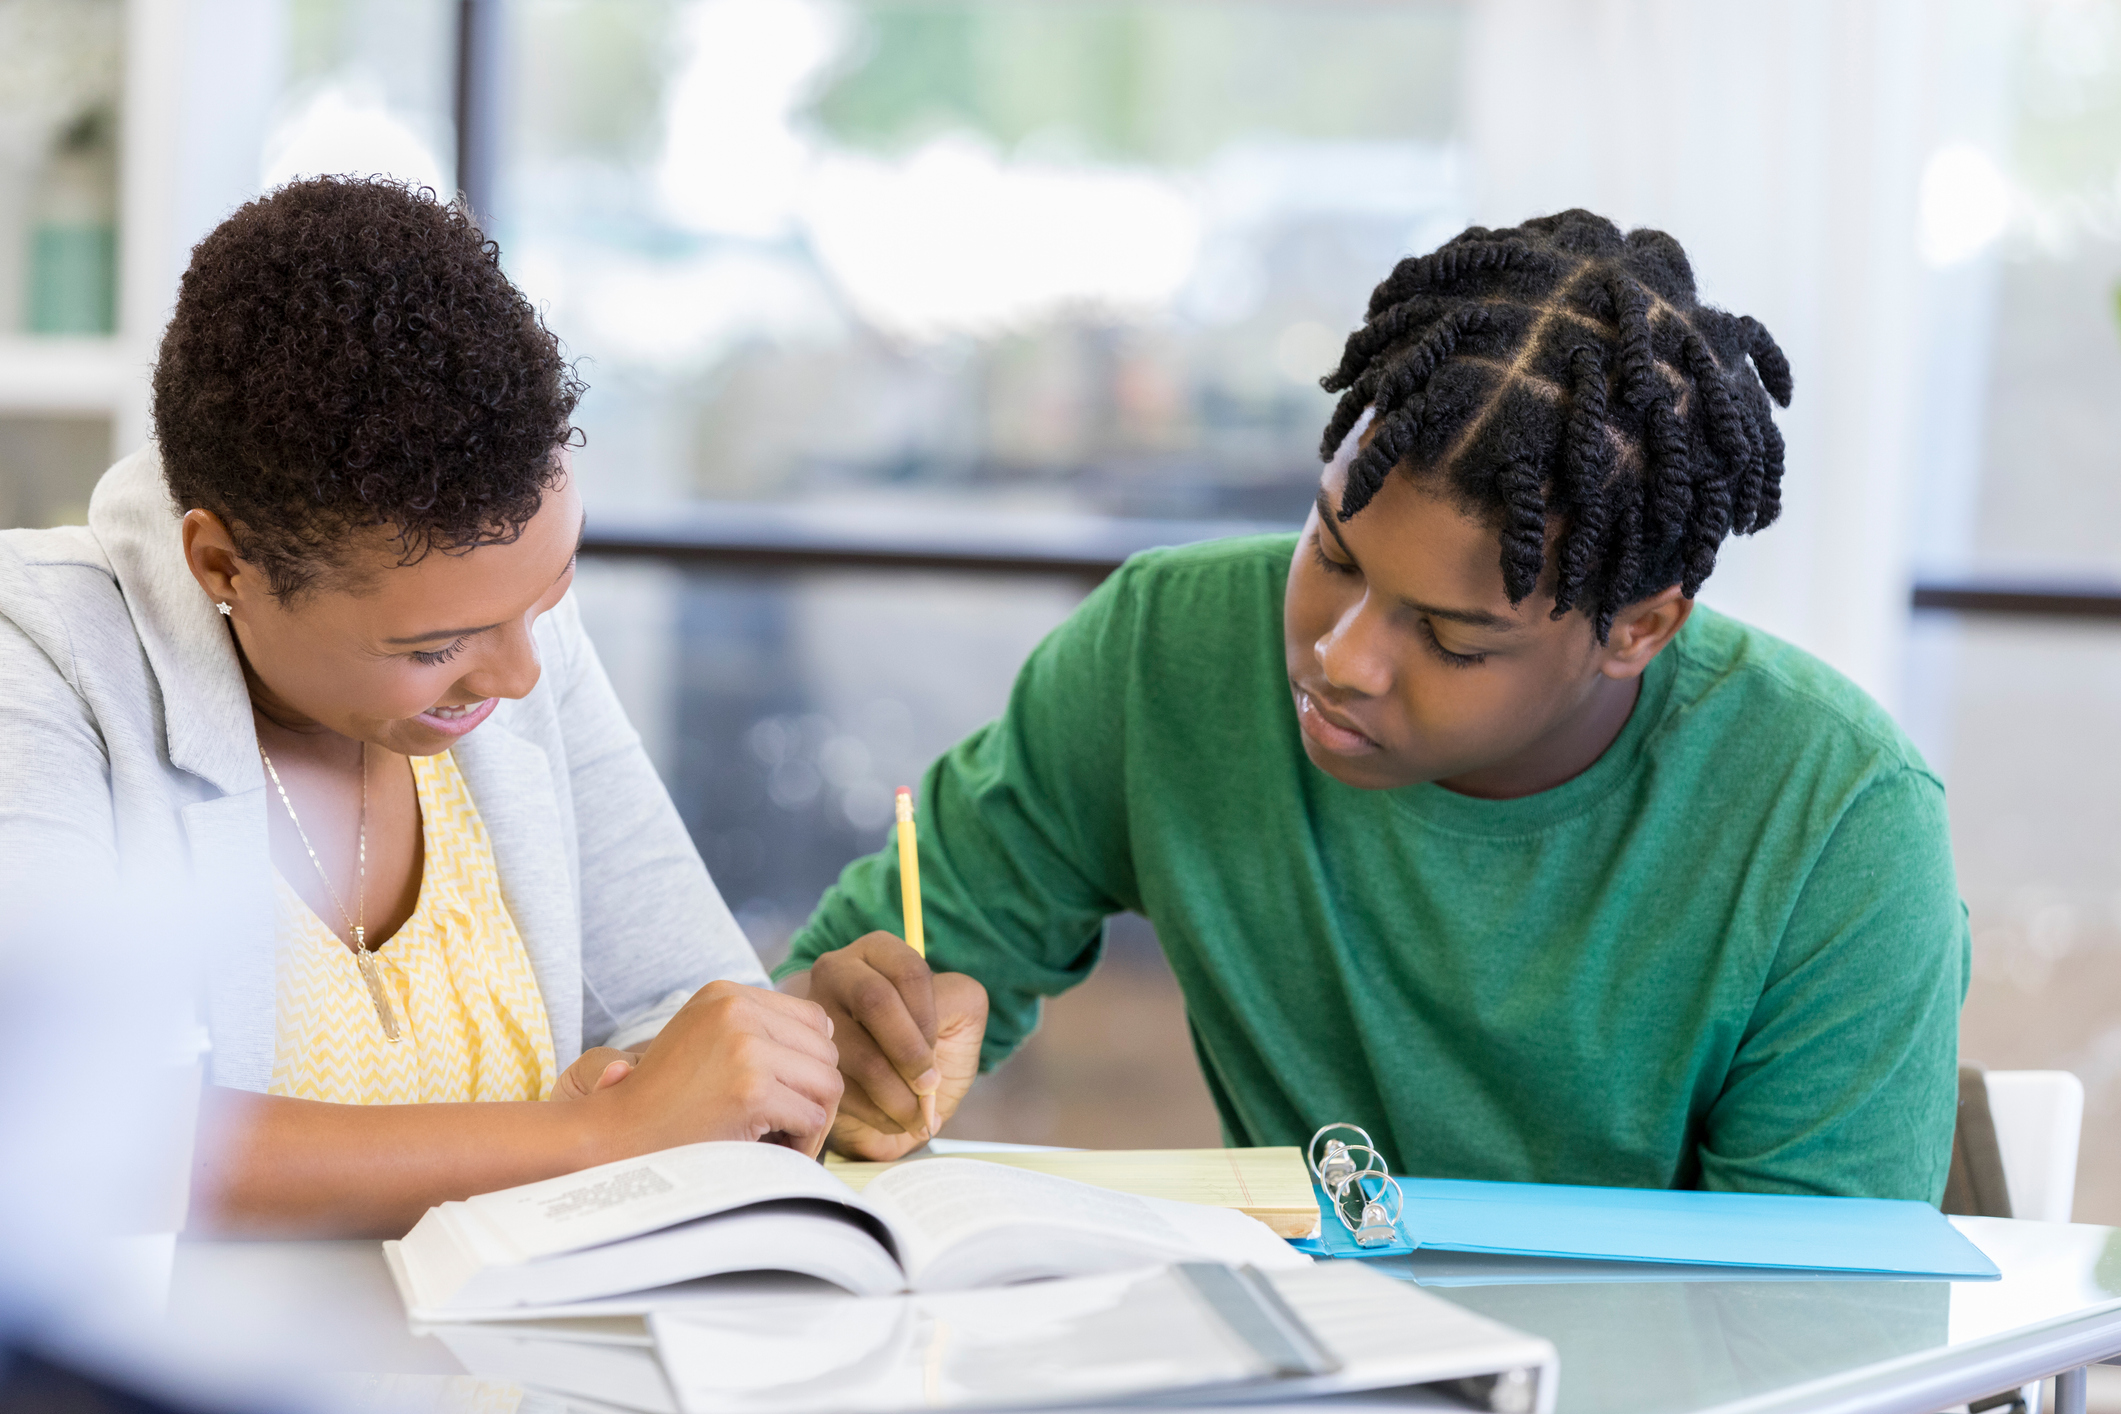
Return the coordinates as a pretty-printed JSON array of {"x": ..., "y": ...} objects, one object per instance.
[{"x": 1501, "y": 846}]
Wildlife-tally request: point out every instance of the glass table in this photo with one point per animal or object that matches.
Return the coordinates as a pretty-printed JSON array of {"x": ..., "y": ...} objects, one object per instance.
[{"x": 1640, "y": 1339}]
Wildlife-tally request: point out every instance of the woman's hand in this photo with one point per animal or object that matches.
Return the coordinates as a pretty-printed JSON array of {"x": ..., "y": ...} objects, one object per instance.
[
  {"x": 593, "y": 1070},
  {"x": 735, "y": 1062},
  {"x": 909, "y": 1042}
]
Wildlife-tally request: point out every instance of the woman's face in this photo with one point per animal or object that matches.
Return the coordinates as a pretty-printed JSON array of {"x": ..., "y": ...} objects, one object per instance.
[{"x": 409, "y": 657}]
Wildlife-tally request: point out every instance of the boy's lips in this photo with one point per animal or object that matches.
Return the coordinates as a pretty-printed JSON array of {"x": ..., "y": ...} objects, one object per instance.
[
  {"x": 1328, "y": 729},
  {"x": 456, "y": 721}
]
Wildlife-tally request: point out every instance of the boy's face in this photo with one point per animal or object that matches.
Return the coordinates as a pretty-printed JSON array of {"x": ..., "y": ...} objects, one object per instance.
[{"x": 1409, "y": 663}]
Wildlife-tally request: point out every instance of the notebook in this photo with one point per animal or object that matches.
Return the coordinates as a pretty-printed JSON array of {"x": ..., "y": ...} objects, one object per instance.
[
  {"x": 1147, "y": 1337},
  {"x": 625, "y": 1228},
  {"x": 1150, "y": 1337},
  {"x": 1268, "y": 1184},
  {"x": 1882, "y": 1236}
]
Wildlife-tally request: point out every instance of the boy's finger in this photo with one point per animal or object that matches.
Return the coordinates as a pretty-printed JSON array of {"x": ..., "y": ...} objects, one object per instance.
[
  {"x": 876, "y": 1003},
  {"x": 909, "y": 973},
  {"x": 858, "y": 1106},
  {"x": 872, "y": 1075}
]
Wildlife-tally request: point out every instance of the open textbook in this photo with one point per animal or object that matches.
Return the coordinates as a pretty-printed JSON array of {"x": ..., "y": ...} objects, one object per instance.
[
  {"x": 670, "y": 1217},
  {"x": 1183, "y": 1333}
]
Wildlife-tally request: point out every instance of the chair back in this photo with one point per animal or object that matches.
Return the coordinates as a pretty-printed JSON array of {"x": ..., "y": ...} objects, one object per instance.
[
  {"x": 2014, "y": 1147},
  {"x": 1978, "y": 1186},
  {"x": 2039, "y": 1118}
]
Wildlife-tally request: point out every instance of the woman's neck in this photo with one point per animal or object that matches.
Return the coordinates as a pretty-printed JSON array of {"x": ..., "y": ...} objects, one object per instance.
[{"x": 266, "y": 705}]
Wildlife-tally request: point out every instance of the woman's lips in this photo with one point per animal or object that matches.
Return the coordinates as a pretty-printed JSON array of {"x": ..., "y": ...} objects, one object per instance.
[
  {"x": 1329, "y": 733},
  {"x": 456, "y": 721}
]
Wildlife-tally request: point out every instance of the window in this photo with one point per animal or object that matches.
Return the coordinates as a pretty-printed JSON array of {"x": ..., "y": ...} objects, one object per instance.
[{"x": 2019, "y": 714}]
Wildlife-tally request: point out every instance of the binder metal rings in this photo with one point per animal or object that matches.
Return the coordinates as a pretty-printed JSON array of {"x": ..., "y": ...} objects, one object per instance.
[
  {"x": 1376, "y": 1222},
  {"x": 1335, "y": 1164}
]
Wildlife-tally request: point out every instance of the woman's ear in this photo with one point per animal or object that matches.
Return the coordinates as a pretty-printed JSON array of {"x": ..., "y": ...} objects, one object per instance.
[
  {"x": 210, "y": 555},
  {"x": 1641, "y": 630}
]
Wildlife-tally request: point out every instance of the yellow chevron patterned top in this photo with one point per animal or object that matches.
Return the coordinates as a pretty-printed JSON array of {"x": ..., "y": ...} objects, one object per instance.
[{"x": 472, "y": 1024}]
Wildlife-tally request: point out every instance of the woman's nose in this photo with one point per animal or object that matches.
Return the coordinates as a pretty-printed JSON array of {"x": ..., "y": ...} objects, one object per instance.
[{"x": 513, "y": 670}]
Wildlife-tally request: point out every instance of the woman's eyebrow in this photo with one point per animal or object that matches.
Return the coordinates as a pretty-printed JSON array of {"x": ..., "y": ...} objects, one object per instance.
[
  {"x": 442, "y": 633},
  {"x": 580, "y": 536}
]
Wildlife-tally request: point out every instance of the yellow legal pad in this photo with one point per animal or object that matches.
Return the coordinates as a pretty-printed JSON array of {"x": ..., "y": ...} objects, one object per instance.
[{"x": 1269, "y": 1184}]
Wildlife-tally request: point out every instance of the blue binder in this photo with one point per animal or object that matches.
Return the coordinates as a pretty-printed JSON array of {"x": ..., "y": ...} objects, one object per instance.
[{"x": 1888, "y": 1237}]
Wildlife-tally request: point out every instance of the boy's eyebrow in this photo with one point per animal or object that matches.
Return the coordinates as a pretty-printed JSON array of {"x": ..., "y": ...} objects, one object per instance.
[
  {"x": 1476, "y": 618},
  {"x": 580, "y": 536},
  {"x": 1331, "y": 522}
]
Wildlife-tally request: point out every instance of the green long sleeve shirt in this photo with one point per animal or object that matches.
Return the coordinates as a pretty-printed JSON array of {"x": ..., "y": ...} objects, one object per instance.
[{"x": 1730, "y": 954}]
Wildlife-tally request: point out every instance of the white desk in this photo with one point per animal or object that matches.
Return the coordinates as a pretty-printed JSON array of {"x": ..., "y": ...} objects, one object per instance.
[{"x": 1690, "y": 1339}]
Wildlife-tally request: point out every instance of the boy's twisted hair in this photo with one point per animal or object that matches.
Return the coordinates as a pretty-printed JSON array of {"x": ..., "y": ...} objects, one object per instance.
[{"x": 1562, "y": 370}]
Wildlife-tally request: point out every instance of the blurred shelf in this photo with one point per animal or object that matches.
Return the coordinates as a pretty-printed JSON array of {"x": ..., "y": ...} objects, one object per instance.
[
  {"x": 750, "y": 536},
  {"x": 2092, "y": 599},
  {"x": 66, "y": 376},
  {"x": 744, "y": 535}
]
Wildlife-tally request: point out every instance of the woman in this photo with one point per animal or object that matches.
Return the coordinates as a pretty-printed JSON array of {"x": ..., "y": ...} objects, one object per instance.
[{"x": 314, "y": 653}]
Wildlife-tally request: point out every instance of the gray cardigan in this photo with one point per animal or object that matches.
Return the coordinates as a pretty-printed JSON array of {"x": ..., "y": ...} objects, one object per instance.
[{"x": 127, "y": 753}]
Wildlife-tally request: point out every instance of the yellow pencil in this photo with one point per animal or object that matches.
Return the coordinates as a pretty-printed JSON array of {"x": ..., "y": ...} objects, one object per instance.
[
  {"x": 909, "y": 872},
  {"x": 909, "y": 888}
]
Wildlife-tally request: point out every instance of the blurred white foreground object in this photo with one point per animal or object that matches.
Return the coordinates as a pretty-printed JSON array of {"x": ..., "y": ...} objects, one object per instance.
[
  {"x": 2039, "y": 1118},
  {"x": 100, "y": 1030}
]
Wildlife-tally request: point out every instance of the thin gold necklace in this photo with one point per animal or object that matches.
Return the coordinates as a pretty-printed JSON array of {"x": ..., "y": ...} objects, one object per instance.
[{"x": 356, "y": 922}]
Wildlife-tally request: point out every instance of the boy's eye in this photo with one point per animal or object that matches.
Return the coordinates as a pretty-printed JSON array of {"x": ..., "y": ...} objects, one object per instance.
[
  {"x": 1456, "y": 660},
  {"x": 1325, "y": 561},
  {"x": 438, "y": 656}
]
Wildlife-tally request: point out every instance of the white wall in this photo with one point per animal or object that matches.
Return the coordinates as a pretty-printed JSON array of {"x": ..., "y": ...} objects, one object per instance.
[{"x": 1783, "y": 144}]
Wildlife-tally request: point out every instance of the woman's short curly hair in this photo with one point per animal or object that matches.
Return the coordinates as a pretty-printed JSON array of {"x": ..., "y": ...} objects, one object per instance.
[{"x": 346, "y": 354}]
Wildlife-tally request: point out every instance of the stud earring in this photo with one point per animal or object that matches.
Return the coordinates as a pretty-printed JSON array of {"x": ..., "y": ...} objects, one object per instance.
[{"x": 226, "y": 612}]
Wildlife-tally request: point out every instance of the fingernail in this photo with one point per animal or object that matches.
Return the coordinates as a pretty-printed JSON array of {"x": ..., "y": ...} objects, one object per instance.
[{"x": 931, "y": 1079}]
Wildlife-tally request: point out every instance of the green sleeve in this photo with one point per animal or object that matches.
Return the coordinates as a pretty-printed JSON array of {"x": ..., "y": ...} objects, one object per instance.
[
  {"x": 1846, "y": 1082},
  {"x": 1023, "y": 832}
]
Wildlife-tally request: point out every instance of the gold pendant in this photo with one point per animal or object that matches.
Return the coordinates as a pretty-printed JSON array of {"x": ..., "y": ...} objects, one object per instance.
[{"x": 373, "y": 976}]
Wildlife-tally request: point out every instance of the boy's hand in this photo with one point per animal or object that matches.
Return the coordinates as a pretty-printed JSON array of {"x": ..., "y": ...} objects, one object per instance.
[
  {"x": 595, "y": 1069},
  {"x": 961, "y": 1005},
  {"x": 909, "y": 1042},
  {"x": 735, "y": 1062}
]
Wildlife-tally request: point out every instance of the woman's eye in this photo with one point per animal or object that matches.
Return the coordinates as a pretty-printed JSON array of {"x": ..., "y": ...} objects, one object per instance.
[
  {"x": 1456, "y": 660},
  {"x": 439, "y": 656}
]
